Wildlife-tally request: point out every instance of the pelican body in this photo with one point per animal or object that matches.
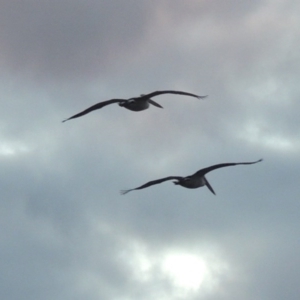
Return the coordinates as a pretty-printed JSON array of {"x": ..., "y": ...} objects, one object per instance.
[
  {"x": 194, "y": 181},
  {"x": 134, "y": 104},
  {"x": 137, "y": 105}
]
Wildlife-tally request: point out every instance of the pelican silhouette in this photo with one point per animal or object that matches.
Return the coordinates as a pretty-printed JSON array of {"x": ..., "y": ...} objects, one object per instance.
[
  {"x": 135, "y": 104},
  {"x": 193, "y": 181}
]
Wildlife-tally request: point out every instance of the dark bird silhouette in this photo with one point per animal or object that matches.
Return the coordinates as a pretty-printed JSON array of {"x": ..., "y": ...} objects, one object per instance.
[
  {"x": 193, "y": 181},
  {"x": 135, "y": 104}
]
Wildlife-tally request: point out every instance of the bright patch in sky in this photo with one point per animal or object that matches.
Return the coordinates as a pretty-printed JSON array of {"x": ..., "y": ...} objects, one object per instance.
[
  {"x": 259, "y": 134},
  {"x": 11, "y": 149},
  {"x": 186, "y": 270}
]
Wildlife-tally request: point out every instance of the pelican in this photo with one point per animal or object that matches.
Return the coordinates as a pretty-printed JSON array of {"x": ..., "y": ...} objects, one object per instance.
[
  {"x": 193, "y": 181},
  {"x": 135, "y": 104}
]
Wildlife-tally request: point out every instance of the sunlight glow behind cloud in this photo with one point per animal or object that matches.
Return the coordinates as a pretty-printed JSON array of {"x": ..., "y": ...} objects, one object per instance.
[{"x": 186, "y": 270}]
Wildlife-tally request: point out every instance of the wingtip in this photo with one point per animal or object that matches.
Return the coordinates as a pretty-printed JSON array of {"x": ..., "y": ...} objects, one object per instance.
[
  {"x": 202, "y": 97},
  {"x": 123, "y": 192},
  {"x": 65, "y": 120}
]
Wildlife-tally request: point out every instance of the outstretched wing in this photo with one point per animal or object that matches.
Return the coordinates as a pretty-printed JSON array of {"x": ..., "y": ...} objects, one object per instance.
[
  {"x": 202, "y": 172},
  {"x": 123, "y": 192},
  {"x": 94, "y": 107},
  {"x": 171, "y": 92}
]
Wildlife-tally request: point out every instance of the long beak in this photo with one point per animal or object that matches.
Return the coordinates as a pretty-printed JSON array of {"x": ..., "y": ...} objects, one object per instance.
[
  {"x": 154, "y": 103},
  {"x": 209, "y": 186}
]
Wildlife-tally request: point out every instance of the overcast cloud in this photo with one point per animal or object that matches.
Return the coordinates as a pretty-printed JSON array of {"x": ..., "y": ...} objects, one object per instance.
[{"x": 67, "y": 233}]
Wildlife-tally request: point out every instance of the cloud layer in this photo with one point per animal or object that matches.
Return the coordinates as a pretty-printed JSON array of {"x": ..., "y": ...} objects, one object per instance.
[{"x": 67, "y": 233}]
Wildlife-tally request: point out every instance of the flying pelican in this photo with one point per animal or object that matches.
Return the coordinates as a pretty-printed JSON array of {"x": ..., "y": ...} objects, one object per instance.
[
  {"x": 193, "y": 181},
  {"x": 134, "y": 104}
]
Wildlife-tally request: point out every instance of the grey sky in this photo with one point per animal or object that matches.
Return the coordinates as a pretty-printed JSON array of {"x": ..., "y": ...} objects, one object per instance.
[{"x": 67, "y": 233}]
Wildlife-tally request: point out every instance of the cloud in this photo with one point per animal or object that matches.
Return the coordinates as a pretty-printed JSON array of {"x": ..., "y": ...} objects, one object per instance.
[
  {"x": 66, "y": 38},
  {"x": 67, "y": 232}
]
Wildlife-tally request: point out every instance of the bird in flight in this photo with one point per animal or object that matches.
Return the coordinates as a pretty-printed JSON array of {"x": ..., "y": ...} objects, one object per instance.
[
  {"x": 193, "y": 181},
  {"x": 135, "y": 104}
]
